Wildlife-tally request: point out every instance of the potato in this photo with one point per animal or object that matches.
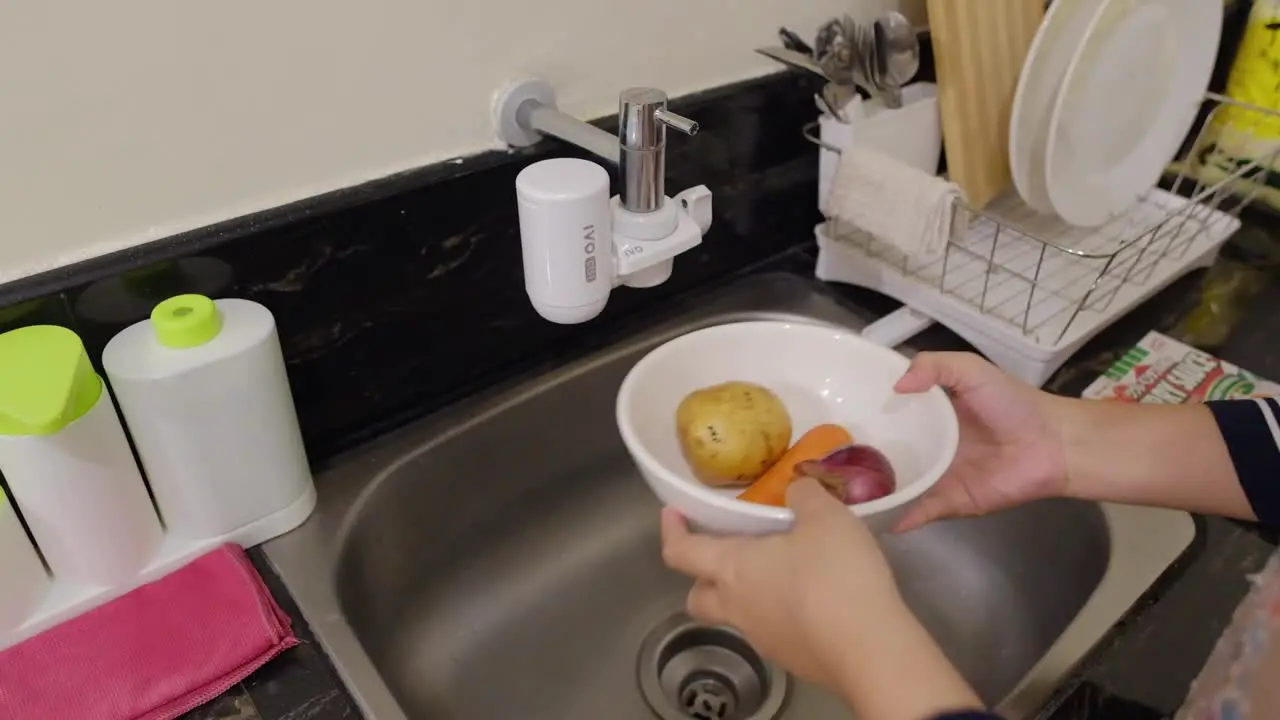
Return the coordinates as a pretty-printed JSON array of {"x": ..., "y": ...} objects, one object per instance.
[{"x": 733, "y": 432}]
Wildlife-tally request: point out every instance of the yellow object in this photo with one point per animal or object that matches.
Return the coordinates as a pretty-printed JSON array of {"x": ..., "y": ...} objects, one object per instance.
[
  {"x": 979, "y": 47},
  {"x": 186, "y": 321},
  {"x": 1239, "y": 135},
  {"x": 733, "y": 432},
  {"x": 1255, "y": 73},
  {"x": 46, "y": 380}
]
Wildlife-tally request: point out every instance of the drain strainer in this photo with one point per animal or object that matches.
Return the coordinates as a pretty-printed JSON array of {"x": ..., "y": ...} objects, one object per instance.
[{"x": 690, "y": 671}]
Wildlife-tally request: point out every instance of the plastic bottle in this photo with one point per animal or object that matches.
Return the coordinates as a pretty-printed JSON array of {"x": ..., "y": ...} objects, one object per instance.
[
  {"x": 203, "y": 390},
  {"x": 23, "y": 580},
  {"x": 64, "y": 454}
]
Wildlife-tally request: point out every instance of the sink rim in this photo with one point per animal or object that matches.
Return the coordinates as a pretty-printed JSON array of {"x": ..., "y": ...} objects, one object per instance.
[{"x": 1146, "y": 543}]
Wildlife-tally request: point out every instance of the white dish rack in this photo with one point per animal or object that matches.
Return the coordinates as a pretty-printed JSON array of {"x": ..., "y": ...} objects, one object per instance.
[{"x": 1027, "y": 289}]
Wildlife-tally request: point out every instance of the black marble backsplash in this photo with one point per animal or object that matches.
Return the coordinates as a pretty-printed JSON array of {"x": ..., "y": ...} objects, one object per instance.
[{"x": 395, "y": 298}]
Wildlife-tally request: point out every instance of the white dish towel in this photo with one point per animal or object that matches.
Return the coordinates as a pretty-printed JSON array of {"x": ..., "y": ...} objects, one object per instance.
[{"x": 913, "y": 211}]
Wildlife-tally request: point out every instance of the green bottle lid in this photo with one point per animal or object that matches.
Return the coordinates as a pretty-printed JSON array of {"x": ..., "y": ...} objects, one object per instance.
[
  {"x": 186, "y": 321},
  {"x": 46, "y": 380}
]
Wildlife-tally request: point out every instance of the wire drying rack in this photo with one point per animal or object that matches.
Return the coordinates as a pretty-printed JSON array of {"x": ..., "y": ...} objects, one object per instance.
[{"x": 1039, "y": 276}]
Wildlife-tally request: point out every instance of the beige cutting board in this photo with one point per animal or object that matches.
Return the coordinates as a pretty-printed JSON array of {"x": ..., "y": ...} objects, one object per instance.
[{"x": 979, "y": 47}]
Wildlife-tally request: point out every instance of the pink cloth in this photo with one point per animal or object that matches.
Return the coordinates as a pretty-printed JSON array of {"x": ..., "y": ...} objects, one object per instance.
[{"x": 152, "y": 654}]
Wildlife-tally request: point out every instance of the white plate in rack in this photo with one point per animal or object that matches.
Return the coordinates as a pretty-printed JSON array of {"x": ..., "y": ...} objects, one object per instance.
[
  {"x": 1127, "y": 100},
  {"x": 1055, "y": 43}
]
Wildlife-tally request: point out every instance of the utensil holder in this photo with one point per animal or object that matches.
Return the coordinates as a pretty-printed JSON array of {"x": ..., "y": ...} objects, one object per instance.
[{"x": 911, "y": 133}]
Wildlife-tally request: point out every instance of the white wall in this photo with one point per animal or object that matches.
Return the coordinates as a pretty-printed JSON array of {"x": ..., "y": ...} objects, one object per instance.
[{"x": 124, "y": 121}]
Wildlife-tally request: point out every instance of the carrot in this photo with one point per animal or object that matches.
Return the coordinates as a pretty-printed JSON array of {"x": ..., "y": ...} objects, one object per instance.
[{"x": 771, "y": 487}]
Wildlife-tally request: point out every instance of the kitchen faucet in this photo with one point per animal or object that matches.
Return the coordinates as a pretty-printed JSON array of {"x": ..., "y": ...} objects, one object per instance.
[
  {"x": 577, "y": 242},
  {"x": 643, "y": 119}
]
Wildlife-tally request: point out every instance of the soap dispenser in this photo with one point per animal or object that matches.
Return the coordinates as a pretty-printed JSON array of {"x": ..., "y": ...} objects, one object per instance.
[
  {"x": 203, "y": 390},
  {"x": 68, "y": 464}
]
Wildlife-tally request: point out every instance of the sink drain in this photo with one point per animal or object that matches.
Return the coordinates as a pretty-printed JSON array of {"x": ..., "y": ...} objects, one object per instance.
[{"x": 690, "y": 671}]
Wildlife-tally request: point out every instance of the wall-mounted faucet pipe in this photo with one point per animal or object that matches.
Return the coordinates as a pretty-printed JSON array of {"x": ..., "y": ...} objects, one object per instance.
[
  {"x": 638, "y": 150},
  {"x": 550, "y": 121}
]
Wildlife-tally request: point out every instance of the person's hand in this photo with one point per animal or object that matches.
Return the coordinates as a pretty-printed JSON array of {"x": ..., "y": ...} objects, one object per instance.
[
  {"x": 806, "y": 598},
  {"x": 1011, "y": 449}
]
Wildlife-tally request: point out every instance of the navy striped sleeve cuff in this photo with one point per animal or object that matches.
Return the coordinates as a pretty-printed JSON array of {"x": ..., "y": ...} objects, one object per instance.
[{"x": 1250, "y": 429}]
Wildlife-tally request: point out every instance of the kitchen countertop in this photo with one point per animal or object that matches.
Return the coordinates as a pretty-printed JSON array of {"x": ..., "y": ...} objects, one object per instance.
[{"x": 1143, "y": 668}]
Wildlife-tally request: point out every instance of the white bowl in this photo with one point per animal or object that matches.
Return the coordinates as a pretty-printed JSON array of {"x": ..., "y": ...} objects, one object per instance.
[{"x": 823, "y": 375}]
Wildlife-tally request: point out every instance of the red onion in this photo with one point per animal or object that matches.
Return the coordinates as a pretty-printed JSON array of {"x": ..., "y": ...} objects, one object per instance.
[{"x": 854, "y": 474}]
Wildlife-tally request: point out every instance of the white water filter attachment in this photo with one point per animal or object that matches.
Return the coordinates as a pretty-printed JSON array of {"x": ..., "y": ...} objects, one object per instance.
[
  {"x": 566, "y": 238},
  {"x": 23, "y": 580},
  {"x": 64, "y": 454},
  {"x": 203, "y": 389}
]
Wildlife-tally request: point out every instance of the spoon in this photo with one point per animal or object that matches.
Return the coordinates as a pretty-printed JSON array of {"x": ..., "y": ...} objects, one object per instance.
[{"x": 897, "y": 55}]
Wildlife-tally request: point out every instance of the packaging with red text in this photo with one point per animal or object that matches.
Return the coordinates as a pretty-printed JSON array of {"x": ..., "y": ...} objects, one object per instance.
[{"x": 1160, "y": 369}]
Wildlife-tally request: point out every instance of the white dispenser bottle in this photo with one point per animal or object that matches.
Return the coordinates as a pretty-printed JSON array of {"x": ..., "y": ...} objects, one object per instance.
[
  {"x": 203, "y": 390},
  {"x": 67, "y": 462},
  {"x": 23, "y": 580}
]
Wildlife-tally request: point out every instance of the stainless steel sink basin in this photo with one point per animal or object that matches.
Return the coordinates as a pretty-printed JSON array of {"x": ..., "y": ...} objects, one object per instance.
[{"x": 500, "y": 560}]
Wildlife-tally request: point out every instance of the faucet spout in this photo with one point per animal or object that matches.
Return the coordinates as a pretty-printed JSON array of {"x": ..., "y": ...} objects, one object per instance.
[{"x": 643, "y": 119}]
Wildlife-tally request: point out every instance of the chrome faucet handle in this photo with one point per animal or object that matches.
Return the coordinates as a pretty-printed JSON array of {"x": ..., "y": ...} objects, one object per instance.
[
  {"x": 643, "y": 119},
  {"x": 677, "y": 122}
]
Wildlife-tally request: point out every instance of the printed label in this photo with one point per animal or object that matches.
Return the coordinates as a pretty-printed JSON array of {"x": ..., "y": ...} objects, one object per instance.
[{"x": 1160, "y": 369}]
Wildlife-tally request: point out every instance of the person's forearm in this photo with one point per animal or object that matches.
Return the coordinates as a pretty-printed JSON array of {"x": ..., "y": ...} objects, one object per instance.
[
  {"x": 895, "y": 671},
  {"x": 1163, "y": 455}
]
